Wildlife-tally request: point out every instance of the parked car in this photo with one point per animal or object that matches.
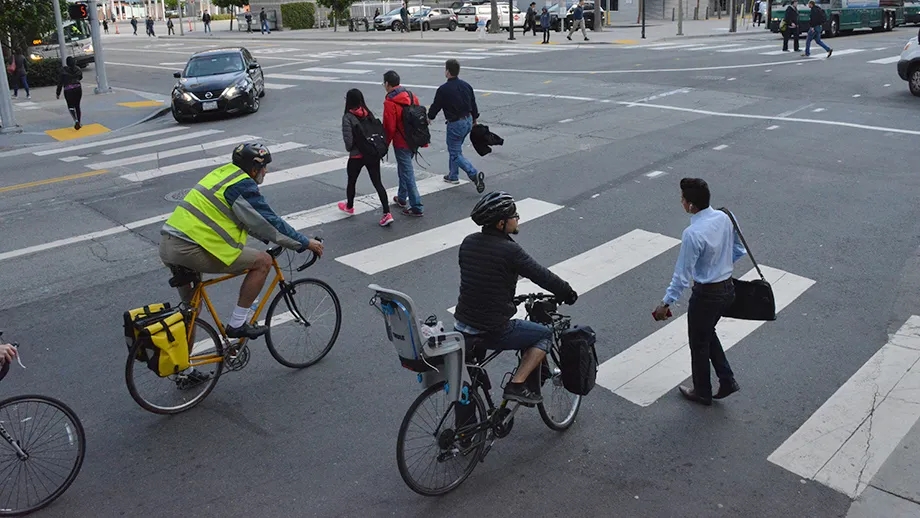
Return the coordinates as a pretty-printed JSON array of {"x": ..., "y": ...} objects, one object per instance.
[
  {"x": 433, "y": 19},
  {"x": 468, "y": 16},
  {"x": 909, "y": 66},
  {"x": 226, "y": 80},
  {"x": 392, "y": 20}
]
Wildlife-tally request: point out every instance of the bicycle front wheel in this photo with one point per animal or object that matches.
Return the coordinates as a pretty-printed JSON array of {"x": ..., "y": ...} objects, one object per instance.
[
  {"x": 559, "y": 406},
  {"x": 428, "y": 444},
  {"x": 303, "y": 323},
  {"x": 41, "y": 452}
]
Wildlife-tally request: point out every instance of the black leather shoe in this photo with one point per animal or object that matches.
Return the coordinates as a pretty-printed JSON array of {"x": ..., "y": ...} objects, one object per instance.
[
  {"x": 727, "y": 389},
  {"x": 691, "y": 395},
  {"x": 246, "y": 330}
]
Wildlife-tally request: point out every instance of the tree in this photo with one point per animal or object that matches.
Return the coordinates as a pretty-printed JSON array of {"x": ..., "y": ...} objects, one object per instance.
[
  {"x": 495, "y": 24},
  {"x": 26, "y": 20},
  {"x": 341, "y": 10},
  {"x": 226, "y": 4},
  {"x": 171, "y": 4}
]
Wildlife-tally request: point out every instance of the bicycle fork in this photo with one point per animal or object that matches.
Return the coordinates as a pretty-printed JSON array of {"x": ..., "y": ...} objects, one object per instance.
[{"x": 14, "y": 444}]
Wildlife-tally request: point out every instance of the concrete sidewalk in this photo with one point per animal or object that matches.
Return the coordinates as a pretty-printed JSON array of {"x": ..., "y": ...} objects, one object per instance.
[
  {"x": 44, "y": 119},
  {"x": 894, "y": 491},
  {"x": 621, "y": 33}
]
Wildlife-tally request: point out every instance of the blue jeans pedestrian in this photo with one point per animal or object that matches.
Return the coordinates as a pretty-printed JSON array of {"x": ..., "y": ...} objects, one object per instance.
[
  {"x": 456, "y": 134},
  {"x": 814, "y": 33},
  {"x": 408, "y": 191},
  {"x": 265, "y": 27},
  {"x": 25, "y": 85}
]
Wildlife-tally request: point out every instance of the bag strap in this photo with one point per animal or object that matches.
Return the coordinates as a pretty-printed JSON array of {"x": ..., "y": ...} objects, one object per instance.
[{"x": 743, "y": 242}]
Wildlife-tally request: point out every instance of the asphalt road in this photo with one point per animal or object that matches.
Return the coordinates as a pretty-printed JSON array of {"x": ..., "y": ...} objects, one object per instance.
[{"x": 813, "y": 155}]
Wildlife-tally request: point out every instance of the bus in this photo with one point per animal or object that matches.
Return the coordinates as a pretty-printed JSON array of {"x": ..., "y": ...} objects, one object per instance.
[
  {"x": 844, "y": 16},
  {"x": 77, "y": 43}
]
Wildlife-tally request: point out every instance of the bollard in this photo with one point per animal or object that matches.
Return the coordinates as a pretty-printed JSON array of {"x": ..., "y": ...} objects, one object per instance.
[
  {"x": 672, "y": 14},
  {"x": 707, "y": 12},
  {"x": 696, "y": 13}
]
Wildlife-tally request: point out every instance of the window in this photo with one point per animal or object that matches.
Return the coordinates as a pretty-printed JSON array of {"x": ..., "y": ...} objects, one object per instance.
[{"x": 214, "y": 65}]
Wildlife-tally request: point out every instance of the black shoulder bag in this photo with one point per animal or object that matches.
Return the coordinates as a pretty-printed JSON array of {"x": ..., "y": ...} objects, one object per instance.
[{"x": 753, "y": 299}]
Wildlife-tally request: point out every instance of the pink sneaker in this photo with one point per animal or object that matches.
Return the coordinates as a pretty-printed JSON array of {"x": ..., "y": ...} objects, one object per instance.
[
  {"x": 386, "y": 219},
  {"x": 344, "y": 208}
]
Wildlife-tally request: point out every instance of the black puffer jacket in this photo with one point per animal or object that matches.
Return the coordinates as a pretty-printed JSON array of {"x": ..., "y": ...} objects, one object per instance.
[{"x": 490, "y": 263}]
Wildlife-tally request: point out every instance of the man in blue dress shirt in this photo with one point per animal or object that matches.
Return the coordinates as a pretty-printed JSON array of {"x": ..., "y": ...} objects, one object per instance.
[{"x": 708, "y": 250}]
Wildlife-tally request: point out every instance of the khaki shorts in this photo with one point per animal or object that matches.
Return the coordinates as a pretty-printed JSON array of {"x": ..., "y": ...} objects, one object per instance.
[{"x": 179, "y": 252}]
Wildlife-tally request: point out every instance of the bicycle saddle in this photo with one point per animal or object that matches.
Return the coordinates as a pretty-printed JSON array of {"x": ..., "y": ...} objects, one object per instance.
[{"x": 182, "y": 276}]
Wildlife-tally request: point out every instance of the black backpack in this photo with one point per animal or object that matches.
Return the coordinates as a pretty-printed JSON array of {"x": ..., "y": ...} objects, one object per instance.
[
  {"x": 369, "y": 137},
  {"x": 415, "y": 125},
  {"x": 578, "y": 359}
]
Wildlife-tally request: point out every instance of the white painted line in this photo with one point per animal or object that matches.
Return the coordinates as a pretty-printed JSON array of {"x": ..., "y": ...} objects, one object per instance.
[
  {"x": 137, "y": 65},
  {"x": 650, "y": 46},
  {"x": 405, "y": 64},
  {"x": 843, "y": 52},
  {"x": 684, "y": 46},
  {"x": 153, "y": 143},
  {"x": 396, "y": 61},
  {"x": 886, "y": 61},
  {"x": 232, "y": 141},
  {"x": 452, "y": 54},
  {"x": 441, "y": 59},
  {"x": 304, "y": 171},
  {"x": 818, "y": 110},
  {"x": 845, "y": 442},
  {"x": 277, "y": 86},
  {"x": 298, "y": 77},
  {"x": 772, "y": 127},
  {"x": 655, "y": 174},
  {"x": 602, "y": 264},
  {"x": 335, "y": 70},
  {"x": 745, "y": 49},
  {"x": 886, "y": 85},
  {"x": 655, "y": 365},
  {"x": 711, "y": 47},
  {"x": 856, "y": 95},
  {"x": 773, "y": 53},
  {"x": 401, "y": 251},
  {"x": 72, "y": 158},
  {"x": 731, "y": 78},
  {"x": 720, "y": 147},
  {"x": 126, "y": 138},
  {"x": 563, "y": 121},
  {"x": 191, "y": 165}
]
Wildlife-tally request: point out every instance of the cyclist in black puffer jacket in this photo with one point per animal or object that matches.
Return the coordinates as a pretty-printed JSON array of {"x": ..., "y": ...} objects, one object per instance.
[
  {"x": 490, "y": 263},
  {"x": 69, "y": 81}
]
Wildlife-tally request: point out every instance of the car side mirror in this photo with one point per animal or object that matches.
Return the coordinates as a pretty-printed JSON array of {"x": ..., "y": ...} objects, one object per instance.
[
  {"x": 177, "y": 75},
  {"x": 253, "y": 66}
]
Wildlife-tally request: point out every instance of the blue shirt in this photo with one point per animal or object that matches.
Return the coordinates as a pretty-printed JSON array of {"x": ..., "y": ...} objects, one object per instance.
[
  {"x": 457, "y": 100},
  {"x": 709, "y": 248},
  {"x": 578, "y": 13}
]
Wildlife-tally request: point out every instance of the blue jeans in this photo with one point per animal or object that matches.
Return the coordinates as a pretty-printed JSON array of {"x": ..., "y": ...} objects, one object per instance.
[
  {"x": 814, "y": 33},
  {"x": 25, "y": 84},
  {"x": 456, "y": 133},
  {"x": 408, "y": 191},
  {"x": 265, "y": 27},
  {"x": 519, "y": 335}
]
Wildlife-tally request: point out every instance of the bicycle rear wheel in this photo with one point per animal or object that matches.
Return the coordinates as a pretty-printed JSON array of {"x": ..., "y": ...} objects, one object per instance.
[
  {"x": 440, "y": 446},
  {"x": 179, "y": 392},
  {"x": 559, "y": 406},
  {"x": 307, "y": 323},
  {"x": 52, "y": 444}
]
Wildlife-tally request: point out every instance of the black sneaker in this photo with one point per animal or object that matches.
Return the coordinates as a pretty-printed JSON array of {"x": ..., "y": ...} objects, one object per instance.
[
  {"x": 246, "y": 330},
  {"x": 480, "y": 181},
  {"x": 191, "y": 380},
  {"x": 412, "y": 212},
  {"x": 520, "y": 393}
]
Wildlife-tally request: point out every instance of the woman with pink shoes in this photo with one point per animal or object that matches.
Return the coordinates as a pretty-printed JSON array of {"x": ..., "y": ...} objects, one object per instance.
[{"x": 355, "y": 111}]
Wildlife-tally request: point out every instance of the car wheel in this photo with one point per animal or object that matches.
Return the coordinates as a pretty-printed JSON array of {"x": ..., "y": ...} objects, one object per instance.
[
  {"x": 254, "y": 104},
  {"x": 452, "y": 26},
  {"x": 913, "y": 80},
  {"x": 177, "y": 116},
  {"x": 426, "y": 26}
]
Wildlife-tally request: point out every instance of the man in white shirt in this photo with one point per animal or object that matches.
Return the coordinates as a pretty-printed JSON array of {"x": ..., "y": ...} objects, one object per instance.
[{"x": 708, "y": 250}]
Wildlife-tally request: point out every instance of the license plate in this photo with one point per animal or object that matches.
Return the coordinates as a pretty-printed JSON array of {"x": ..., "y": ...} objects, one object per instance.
[{"x": 209, "y": 105}]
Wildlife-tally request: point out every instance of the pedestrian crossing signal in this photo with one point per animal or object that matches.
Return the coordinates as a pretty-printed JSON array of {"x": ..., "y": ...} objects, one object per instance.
[{"x": 78, "y": 11}]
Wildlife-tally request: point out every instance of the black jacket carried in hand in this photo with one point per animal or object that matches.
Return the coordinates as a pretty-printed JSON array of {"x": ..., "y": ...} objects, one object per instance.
[
  {"x": 490, "y": 263},
  {"x": 481, "y": 139}
]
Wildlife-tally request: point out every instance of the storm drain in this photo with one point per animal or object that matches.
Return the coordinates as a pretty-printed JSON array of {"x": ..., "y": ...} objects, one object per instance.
[{"x": 177, "y": 196}]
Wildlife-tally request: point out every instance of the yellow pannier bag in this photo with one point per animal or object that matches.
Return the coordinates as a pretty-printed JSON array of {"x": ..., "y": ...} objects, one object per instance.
[
  {"x": 165, "y": 340},
  {"x": 132, "y": 319}
]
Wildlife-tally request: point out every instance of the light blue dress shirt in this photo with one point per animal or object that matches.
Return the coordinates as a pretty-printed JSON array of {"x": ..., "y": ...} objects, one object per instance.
[{"x": 709, "y": 248}]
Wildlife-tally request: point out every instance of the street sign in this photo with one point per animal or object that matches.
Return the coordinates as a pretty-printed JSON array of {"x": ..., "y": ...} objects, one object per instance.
[{"x": 78, "y": 11}]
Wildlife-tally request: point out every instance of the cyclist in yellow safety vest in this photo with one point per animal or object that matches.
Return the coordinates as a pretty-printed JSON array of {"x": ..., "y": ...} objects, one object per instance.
[{"x": 207, "y": 231}]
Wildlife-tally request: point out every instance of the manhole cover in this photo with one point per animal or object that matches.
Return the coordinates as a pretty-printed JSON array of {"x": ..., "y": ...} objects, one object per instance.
[{"x": 177, "y": 196}]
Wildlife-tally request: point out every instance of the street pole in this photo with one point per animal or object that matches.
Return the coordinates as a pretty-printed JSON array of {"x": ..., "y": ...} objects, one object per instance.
[
  {"x": 6, "y": 104},
  {"x": 680, "y": 17},
  {"x": 733, "y": 26},
  {"x": 102, "y": 82},
  {"x": 60, "y": 32},
  {"x": 179, "y": 5},
  {"x": 642, "y": 6},
  {"x": 511, "y": 19}
]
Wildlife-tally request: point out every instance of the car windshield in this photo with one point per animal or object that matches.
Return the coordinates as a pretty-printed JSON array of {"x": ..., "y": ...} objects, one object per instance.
[
  {"x": 421, "y": 13},
  {"x": 214, "y": 65},
  {"x": 394, "y": 12}
]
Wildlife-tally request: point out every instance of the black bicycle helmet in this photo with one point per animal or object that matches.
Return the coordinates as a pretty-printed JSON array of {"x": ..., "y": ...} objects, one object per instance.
[
  {"x": 492, "y": 208},
  {"x": 251, "y": 154}
]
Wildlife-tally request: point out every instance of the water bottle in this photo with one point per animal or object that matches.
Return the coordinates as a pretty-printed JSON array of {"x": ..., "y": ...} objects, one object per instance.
[{"x": 252, "y": 309}]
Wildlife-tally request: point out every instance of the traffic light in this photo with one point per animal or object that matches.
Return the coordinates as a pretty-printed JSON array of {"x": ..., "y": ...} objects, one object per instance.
[{"x": 78, "y": 11}]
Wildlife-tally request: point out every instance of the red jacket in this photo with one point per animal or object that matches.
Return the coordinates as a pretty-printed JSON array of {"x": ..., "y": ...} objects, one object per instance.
[{"x": 392, "y": 116}]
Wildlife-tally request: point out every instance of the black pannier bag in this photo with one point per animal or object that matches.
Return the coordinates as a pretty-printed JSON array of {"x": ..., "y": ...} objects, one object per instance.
[{"x": 578, "y": 359}]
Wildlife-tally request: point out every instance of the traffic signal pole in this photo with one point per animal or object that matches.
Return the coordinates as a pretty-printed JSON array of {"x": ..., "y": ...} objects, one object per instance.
[
  {"x": 62, "y": 44},
  {"x": 102, "y": 82}
]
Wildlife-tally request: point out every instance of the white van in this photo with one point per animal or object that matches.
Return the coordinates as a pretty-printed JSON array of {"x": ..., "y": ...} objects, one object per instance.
[
  {"x": 468, "y": 16},
  {"x": 77, "y": 42}
]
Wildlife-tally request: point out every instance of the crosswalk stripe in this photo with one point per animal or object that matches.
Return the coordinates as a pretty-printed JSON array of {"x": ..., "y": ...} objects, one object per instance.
[
  {"x": 683, "y": 46},
  {"x": 182, "y": 167},
  {"x": 297, "y": 77},
  {"x": 845, "y": 442},
  {"x": 886, "y": 61},
  {"x": 232, "y": 141},
  {"x": 446, "y": 57},
  {"x": 655, "y": 365},
  {"x": 773, "y": 53},
  {"x": 335, "y": 70},
  {"x": 154, "y": 143},
  {"x": 277, "y": 86},
  {"x": 745, "y": 49},
  {"x": 711, "y": 47},
  {"x": 405, "y": 64},
  {"x": 843, "y": 52},
  {"x": 401, "y": 251},
  {"x": 126, "y": 138},
  {"x": 603, "y": 263},
  {"x": 650, "y": 46},
  {"x": 481, "y": 55}
]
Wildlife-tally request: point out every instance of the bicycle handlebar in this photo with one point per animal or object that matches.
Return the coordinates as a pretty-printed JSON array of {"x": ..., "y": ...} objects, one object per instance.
[
  {"x": 536, "y": 296},
  {"x": 276, "y": 251}
]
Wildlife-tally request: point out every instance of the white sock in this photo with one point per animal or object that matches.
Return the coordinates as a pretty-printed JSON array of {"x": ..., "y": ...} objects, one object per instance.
[{"x": 239, "y": 316}]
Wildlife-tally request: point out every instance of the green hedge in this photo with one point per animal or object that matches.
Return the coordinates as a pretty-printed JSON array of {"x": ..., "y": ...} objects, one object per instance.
[
  {"x": 216, "y": 17},
  {"x": 298, "y": 15},
  {"x": 41, "y": 73}
]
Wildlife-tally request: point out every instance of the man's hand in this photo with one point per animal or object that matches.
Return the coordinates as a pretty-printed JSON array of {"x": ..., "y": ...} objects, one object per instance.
[
  {"x": 662, "y": 312},
  {"x": 7, "y": 353},
  {"x": 316, "y": 247},
  {"x": 570, "y": 298}
]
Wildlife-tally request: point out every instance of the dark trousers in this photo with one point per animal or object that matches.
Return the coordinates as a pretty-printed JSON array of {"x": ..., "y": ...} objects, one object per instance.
[
  {"x": 546, "y": 34},
  {"x": 791, "y": 33},
  {"x": 73, "y": 97},
  {"x": 353, "y": 168},
  {"x": 707, "y": 304}
]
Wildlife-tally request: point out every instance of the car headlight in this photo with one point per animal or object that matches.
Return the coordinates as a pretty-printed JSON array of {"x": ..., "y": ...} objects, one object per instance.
[
  {"x": 185, "y": 96},
  {"x": 88, "y": 47},
  {"x": 35, "y": 57},
  {"x": 907, "y": 46},
  {"x": 237, "y": 89}
]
